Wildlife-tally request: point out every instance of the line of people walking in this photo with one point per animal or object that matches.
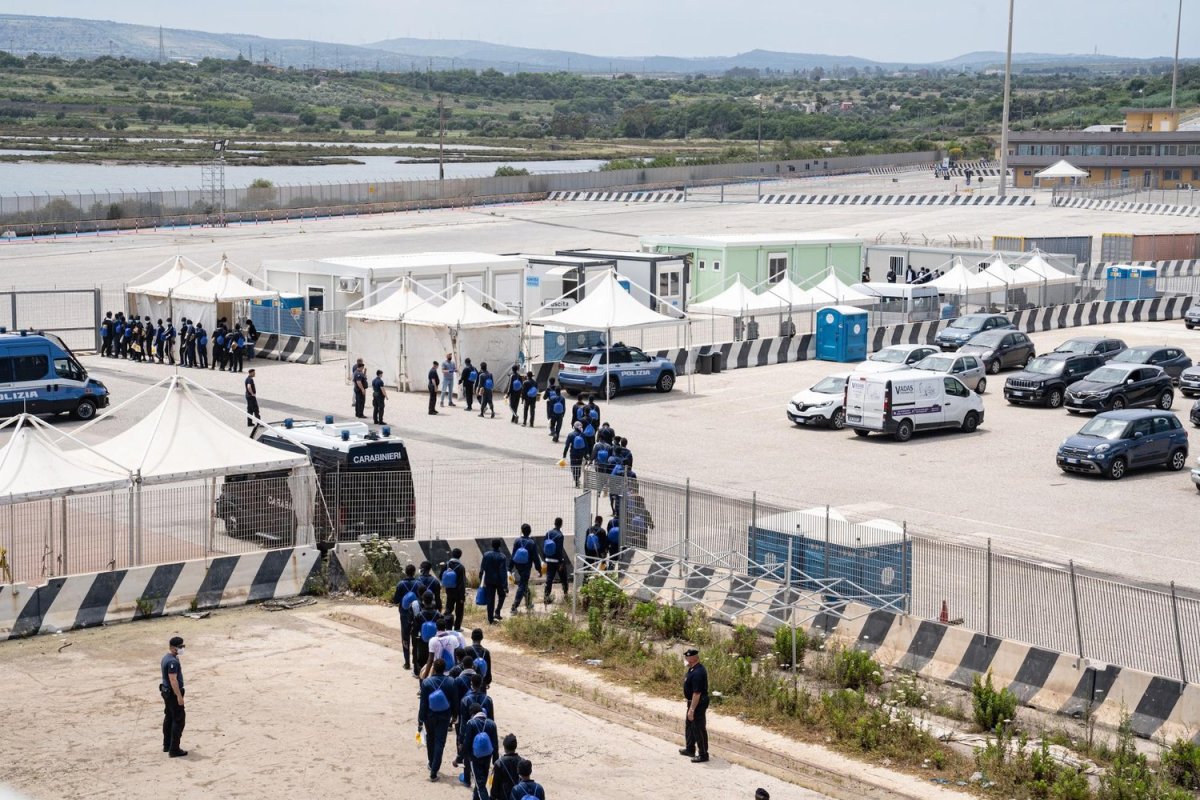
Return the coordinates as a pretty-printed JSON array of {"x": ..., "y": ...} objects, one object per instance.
[{"x": 139, "y": 339}]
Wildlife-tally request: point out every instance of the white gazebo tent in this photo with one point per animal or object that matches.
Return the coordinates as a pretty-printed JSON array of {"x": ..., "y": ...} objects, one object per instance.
[
  {"x": 153, "y": 298},
  {"x": 1057, "y": 286},
  {"x": 969, "y": 286},
  {"x": 375, "y": 333},
  {"x": 34, "y": 467},
  {"x": 832, "y": 290},
  {"x": 224, "y": 293},
  {"x": 608, "y": 306},
  {"x": 1060, "y": 172}
]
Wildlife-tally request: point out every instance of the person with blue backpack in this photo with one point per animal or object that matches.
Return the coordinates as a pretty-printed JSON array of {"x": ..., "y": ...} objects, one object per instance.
[
  {"x": 454, "y": 583},
  {"x": 201, "y": 346},
  {"x": 529, "y": 396},
  {"x": 595, "y": 544},
  {"x": 438, "y": 699},
  {"x": 556, "y": 409},
  {"x": 430, "y": 583},
  {"x": 614, "y": 543},
  {"x": 487, "y": 386},
  {"x": 424, "y": 628},
  {"x": 576, "y": 451},
  {"x": 514, "y": 389},
  {"x": 468, "y": 379},
  {"x": 554, "y": 553},
  {"x": 405, "y": 597},
  {"x": 523, "y": 561},
  {"x": 493, "y": 575},
  {"x": 504, "y": 771},
  {"x": 480, "y": 653},
  {"x": 475, "y": 696},
  {"x": 481, "y": 743},
  {"x": 527, "y": 787},
  {"x": 593, "y": 412}
]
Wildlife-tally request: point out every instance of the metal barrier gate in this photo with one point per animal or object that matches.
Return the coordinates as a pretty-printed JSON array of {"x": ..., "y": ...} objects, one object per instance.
[{"x": 71, "y": 314}]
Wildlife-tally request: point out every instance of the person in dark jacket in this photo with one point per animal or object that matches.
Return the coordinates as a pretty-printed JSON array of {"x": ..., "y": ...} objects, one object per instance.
[
  {"x": 475, "y": 696},
  {"x": 592, "y": 413},
  {"x": 408, "y": 584},
  {"x": 576, "y": 450},
  {"x": 430, "y": 583},
  {"x": 595, "y": 543},
  {"x": 695, "y": 691},
  {"x": 420, "y": 645},
  {"x": 524, "y": 566},
  {"x": 481, "y": 749},
  {"x": 487, "y": 386},
  {"x": 556, "y": 409},
  {"x": 469, "y": 378},
  {"x": 527, "y": 786},
  {"x": 456, "y": 598},
  {"x": 529, "y": 396},
  {"x": 513, "y": 390},
  {"x": 493, "y": 575},
  {"x": 505, "y": 772},
  {"x": 433, "y": 717},
  {"x": 433, "y": 381},
  {"x": 554, "y": 552},
  {"x": 477, "y": 651}
]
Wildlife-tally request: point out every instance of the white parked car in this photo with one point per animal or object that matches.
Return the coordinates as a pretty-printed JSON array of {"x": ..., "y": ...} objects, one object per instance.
[
  {"x": 821, "y": 404},
  {"x": 895, "y": 357}
]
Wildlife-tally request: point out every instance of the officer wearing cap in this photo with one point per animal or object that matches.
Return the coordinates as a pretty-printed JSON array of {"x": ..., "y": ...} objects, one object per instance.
[
  {"x": 695, "y": 689},
  {"x": 171, "y": 689}
]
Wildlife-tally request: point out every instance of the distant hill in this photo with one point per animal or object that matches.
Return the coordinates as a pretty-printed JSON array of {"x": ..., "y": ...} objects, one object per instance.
[{"x": 81, "y": 38}]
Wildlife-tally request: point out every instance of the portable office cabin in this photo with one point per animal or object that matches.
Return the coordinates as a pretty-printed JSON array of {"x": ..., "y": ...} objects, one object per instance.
[
  {"x": 558, "y": 281},
  {"x": 664, "y": 274},
  {"x": 760, "y": 258},
  {"x": 340, "y": 282}
]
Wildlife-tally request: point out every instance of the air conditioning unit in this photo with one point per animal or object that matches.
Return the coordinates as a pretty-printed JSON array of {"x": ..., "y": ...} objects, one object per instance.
[{"x": 349, "y": 285}]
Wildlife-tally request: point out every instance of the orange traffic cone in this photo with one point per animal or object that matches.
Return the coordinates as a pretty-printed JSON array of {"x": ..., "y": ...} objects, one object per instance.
[{"x": 944, "y": 616}]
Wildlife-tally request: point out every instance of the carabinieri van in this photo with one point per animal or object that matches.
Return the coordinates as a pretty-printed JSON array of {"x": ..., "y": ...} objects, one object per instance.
[{"x": 40, "y": 375}]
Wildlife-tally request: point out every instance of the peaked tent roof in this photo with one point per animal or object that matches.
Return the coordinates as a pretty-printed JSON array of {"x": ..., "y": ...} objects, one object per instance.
[
  {"x": 223, "y": 287},
  {"x": 459, "y": 311},
  {"x": 737, "y": 300},
  {"x": 606, "y": 305},
  {"x": 1062, "y": 169},
  {"x": 1014, "y": 277},
  {"x": 960, "y": 280},
  {"x": 396, "y": 305},
  {"x": 1048, "y": 273},
  {"x": 168, "y": 282},
  {"x": 179, "y": 440},
  {"x": 33, "y": 466},
  {"x": 833, "y": 290},
  {"x": 789, "y": 294}
]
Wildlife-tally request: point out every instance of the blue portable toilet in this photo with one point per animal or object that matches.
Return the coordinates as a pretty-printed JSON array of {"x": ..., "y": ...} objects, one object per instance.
[
  {"x": 1143, "y": 283},
  {"x": 1116, "y": 283},
  {"x": 841, "y": 333}
]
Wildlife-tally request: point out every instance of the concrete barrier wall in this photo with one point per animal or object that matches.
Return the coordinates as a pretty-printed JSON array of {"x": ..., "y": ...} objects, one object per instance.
[{"x": 1058, "y": 682}]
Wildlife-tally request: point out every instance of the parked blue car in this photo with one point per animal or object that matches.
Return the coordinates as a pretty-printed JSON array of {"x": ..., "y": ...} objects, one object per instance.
[{"x": 1114, "y": 442}]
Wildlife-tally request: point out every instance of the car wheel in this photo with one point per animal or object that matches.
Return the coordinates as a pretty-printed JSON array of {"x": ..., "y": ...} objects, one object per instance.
[
  {"x": 1189, "y": 327},
  {"x": 613, "y": 386},
  {"x": 1029, "y": 358},
  {"x": 1116, "y": 470},
  {"x": 981, "y": 387},
  {"x": 666, "y": 382},
  {"x": 993, "y": 367},
  {"x": 1166, "y": 399},
  {"x": 1055, "y": 399},
  {"x": 837, "y": 420},
  {"x": 1116, "y": 404},
  {"x": 970, "y": 422},
  {"x": 861, "y": 432},
  {"x": 85, "y": 410},
  {"x": 1178, "y": 460},
  {"x": 904, "y": 431}
]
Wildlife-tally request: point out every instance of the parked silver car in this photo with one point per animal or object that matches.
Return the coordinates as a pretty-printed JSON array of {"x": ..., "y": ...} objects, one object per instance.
[
  {"x": 966, "y": 367},
  {"x": 895, "y": 357}
]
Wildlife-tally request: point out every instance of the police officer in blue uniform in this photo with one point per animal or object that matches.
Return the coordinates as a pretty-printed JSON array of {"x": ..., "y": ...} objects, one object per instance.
[
  {"x": 695, "y": 691},
  {"x": 172, "y": 691},
  {"x": 378, "y": 398}
]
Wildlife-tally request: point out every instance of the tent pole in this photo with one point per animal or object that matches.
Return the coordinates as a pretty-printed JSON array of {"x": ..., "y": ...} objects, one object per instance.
[
  {"x": 137, "y": 558},
  {"x": 63, "y": 526},
  {"x": 212, "y": 515}
]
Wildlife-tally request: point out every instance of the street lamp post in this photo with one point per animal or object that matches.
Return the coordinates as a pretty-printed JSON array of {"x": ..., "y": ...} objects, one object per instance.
[
  {"x": 1175, "y": 70},
  {"x": 1007, "y": 105}
]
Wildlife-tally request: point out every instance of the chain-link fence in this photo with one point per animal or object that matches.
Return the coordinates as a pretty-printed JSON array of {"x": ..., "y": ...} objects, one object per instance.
[
  {"x": 71, "y": 314},
  {"x": 1135, "y": 190}
]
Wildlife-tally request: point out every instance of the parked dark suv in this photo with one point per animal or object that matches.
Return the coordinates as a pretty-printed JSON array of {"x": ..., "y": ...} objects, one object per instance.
[
  {"x": 962, "y": 329},
  {"x": 1092, "y": 346},
  {"x": 1115, "y": 386},
  {"x": 1000, "y": 349},
  {"x": 1173, "y": 360},
  {"x": 1194, "y": 416},
  {"x": 1045, "y": 379},
  {"x": 1114, "y": 442}
]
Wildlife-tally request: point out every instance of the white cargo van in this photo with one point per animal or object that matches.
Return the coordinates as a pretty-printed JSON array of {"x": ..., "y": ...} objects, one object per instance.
[{"x": 911, "y": 400}]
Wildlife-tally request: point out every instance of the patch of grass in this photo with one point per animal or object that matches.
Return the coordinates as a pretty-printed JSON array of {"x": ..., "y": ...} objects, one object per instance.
[
  {"x": 744, "y": 641},
  {"x": 906, "y": 691},
  {"x": 851, "y": 669},
  {"x": 784, "y": 646},
  {"x": 992, "y": 708},
  {"x": 1181, "y": 764},
  {"x": 1129, "y": 775}
]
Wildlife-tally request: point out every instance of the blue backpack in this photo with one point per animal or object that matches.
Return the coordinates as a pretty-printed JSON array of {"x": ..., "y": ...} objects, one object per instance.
[
  {"x": 472, "y": 375},
  {"x": 589, "y": 431},
  {"x": 579, "y": 443},
  {"x": 532, "y": 392},
  {"x": 602, "y": 456},
  {"x": 614, "y": 534},
  {"x": 204, "y": 340},
  {"x": 558, "y": 408},
  {"x": 481, "y": 745},
  {"x": 594, "y": 415},
  {"x": 592, "y": 543},
  {"x": 549, "y": 548},
  {"x": 428, "y": 631},
  {"x": 449, "y": 579},
  {"x": 487, "y": 383},
  {"x": 521, "y": 556},
  {"x": 480, "y": 666},
  {"x": 220, "y": 340},
  {"x": 438, "y": 702},
  {"x": 516, "y": 384},
  {"x": 407, "y": 601}
]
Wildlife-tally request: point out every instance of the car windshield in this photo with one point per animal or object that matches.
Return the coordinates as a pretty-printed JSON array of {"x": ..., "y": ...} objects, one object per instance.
[
  {"x": 889, "y": 355},
  {"x": 936, "y": 363},
  {"x": 1075, "y": 346},
  {"x": 1135, "y": 355},
  {"x": 1108, "y": 375},
  {"x": 834, "y": 384},
  {"x": 1045, "y": 366},
  {"x": 969, "y": 323},
  {"x": 1105, "y": 428},
  {"x": 578, "y": 357},
  {"x": 989, "y": 338}
]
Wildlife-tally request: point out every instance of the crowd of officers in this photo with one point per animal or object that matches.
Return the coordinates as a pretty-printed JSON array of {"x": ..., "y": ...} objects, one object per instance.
[
  {"x": 139, "y": 339},
  {"x": 454, "y": 679}
]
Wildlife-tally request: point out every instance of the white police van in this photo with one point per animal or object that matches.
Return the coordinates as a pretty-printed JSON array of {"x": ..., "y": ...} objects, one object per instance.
[
  {"x": 910, "y": 400},
  {"x": 40, "y": 375},
  {"x": 620, "y": 366}
]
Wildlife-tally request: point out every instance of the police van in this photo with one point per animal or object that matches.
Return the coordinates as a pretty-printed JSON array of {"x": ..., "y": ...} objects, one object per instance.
[
  {"x": 620, "y": 366},
  {"x": 365, "y": 479},
  {"x": 900, "y": 403},
  {"x": 40, "y": 375}
]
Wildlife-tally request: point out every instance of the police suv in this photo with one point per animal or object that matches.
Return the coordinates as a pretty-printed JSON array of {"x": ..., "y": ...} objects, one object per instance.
[
  {"x": 40, "y": 375},
  {"x": 620, "y": 366},
  {"x": 365, "y": 478}
]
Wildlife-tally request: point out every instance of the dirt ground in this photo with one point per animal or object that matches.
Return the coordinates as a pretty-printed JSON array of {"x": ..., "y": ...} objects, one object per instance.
[{"x": 313, "y": 702}]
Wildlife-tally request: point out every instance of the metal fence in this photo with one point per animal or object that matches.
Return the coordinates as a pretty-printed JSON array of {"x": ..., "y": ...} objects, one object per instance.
[
  {"x": 1129, "y": 190},
  {"x": 71, "y": 314}
]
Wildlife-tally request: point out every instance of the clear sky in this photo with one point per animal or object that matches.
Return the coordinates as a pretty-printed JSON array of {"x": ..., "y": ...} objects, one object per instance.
[{"x": 883, "y": 30}]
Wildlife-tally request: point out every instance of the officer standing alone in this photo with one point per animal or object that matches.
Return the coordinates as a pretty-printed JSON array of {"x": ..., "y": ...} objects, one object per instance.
[
  {"x": 171, "y": 689},
  {"x": 695, "y": 690},
  {"x": 378, "y": 398},
  {"x": 251, "y": 402},
  {"x": 432, "y": 385},
  {"x": 360, "y": 389}
]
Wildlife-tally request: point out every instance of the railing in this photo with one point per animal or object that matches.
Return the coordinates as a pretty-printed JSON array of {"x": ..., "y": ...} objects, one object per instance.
[{"x": 1131, "y": 190}]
